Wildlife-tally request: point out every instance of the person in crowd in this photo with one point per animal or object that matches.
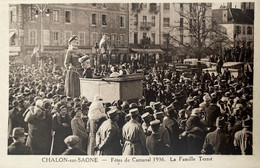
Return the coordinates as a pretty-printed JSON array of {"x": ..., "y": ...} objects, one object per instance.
[
  {"x": 195, "y": 132},
  {"x": 243, "y": 140},
  {"x": 72, "y": 142},
  {"x": 146, "y": 117},
  {"x": 61, "y": 125},
  {"x": 86, "y": 65},
  {"x": 39, "y": 127},
  {"x": 172, "y": 126},
  {"x": 73, "y": 67},
  {"x": 18, "y": 147},
  {"x": 108, "y": 135},
  {"x": 79, "y": 129},
  {"x": 133, "y": 136},
  {"x": 220, "y": 141},
  {"x": 96, "y": 116},
  {"x": 155, "y": 145},
  {"x": 211, "y": 114}
]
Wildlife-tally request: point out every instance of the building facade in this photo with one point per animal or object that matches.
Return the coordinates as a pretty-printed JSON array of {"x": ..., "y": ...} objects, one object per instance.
[
  {"x": 88, "y": 21},
  {"x": 237, "y": 23},
  {"x": 165, "y": 27}
]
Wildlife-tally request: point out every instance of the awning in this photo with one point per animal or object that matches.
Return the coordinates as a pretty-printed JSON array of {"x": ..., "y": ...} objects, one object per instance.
[
  {"x": 147, "y": 50},
  {"x": 11, "y": 34}
]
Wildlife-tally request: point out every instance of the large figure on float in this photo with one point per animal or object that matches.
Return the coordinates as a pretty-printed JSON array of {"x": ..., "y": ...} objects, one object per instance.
[{"x": 73, "y": 67}]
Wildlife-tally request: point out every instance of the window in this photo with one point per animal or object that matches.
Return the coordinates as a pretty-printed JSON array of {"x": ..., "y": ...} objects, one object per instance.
[
  {"x": 104, "y": 20},
  {"x": 181, "y": 23},
  {"x": 190, "y": 25},
  {"x": 238, "y": 29},
  {"x": 135, "y": 38},
  {"x": 181, "y": 6},
  {"x": 113, "y": 39},
  {"x": 144, "y": 35},
  {"x": 181, "y": 38},
  {"x": 190, "y": 7},
  {"x": 11, "y": 16},
  {"x": 67, "y": 16},
  {"x": 55, "y": 15},
  {"x": 166, "y": 22},
  {"x": 166, "y": 6},
  {"x": 94, "y": 4},
  {"x": 46, "y": 37},
  {"x": 122, "y": 21},
  {"x": 244, "y": 30},
  {"x": 82, "y": 38},
  {"x": 94, "y": 19},
  {"x": 32, "y": 37},
  {"x": 32, "y": 12},
  {"x": 249, "y": 30},
  {"x": 122, "y": 6},
  {"x": 144, "y": 19},
  {"x": 68, "y": 34},
  {"x": 153, "y": 38},
  {"x": 55, "y": 38},
  {"x": 144, "y": 5},
  {"x": 122, "y": 40},
  {"x": 104, "y": 5},
  {"x": 153, "y": 20},
  {"x": 93, "y": 38}
]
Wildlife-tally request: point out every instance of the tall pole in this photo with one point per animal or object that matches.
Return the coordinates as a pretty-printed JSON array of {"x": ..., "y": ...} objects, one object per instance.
[{"x": 42, "y": 49}]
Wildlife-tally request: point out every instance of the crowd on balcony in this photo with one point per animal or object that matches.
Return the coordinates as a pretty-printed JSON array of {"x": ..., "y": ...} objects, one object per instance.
[{"x": 204, "y": 114}]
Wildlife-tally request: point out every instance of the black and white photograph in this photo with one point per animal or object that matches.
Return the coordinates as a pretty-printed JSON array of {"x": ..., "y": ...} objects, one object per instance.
[{"x": 173, "y": 79}]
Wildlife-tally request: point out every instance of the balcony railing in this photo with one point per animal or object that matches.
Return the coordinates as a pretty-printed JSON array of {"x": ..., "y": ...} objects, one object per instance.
[{"x": 145, "y": 25}]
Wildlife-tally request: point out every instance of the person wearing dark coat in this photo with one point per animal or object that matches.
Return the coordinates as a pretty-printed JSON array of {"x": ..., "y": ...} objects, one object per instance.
[
  {"x": 219, "y": 139},
  {"x": 154, "y": 144},
  {"x": 71, "y": 142},
  {"x": 195, "y": 132},
  {"x": 211, "y": 114},
  {"x": 39, "y": 128},
  {"x": 61, "y": 125},
  {"x": 172, "y": 126},
  {"x": 79, "y": 129},
  {"x": 18, "y": 147}
]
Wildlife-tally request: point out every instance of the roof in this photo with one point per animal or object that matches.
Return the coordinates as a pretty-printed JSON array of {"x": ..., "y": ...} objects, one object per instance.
[{"x": 239, "y": 17}]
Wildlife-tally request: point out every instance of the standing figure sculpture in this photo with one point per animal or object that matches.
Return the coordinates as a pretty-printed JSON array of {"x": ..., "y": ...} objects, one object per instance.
[{"x": 73, "y": 67}]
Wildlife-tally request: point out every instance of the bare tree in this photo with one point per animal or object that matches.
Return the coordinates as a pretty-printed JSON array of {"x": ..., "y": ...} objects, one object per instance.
[{"x": 197, "y": 23}]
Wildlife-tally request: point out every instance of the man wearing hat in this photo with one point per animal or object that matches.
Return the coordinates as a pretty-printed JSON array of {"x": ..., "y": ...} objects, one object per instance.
[
  {"x": 72, "y": 142},
  {"x": 243, "y": 139},
  {"x": 61, "y": 124},
  {"x": 108, "y": 135},
  {"x": 18, "y": 147},
  {"x": 133, "y": 136},
  {"x": 86, "y": 65},
  {"x": 146, "y": 117},
  {"x": 195, "y": 132},
  {"x": 164, "y": 134},
  {"x": 79, "y": 129},
  {"x": 172, "y": 127},
  {"x": 219, "y": 139},
  {"x": 155, "y": 145},
  {"x": 211, "y": 114}
]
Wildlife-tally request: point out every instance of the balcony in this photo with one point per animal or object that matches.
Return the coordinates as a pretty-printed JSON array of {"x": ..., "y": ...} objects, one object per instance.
[{"x": 145, "y": 25}]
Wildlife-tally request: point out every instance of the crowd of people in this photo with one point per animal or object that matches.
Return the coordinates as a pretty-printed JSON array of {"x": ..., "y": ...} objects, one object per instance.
[{"x": 203, "y": 114}]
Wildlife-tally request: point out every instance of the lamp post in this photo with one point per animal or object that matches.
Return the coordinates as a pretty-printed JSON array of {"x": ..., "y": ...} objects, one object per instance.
[
  {"x": 96, "y": 52},
  {"x": 40, "y": 10}
]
